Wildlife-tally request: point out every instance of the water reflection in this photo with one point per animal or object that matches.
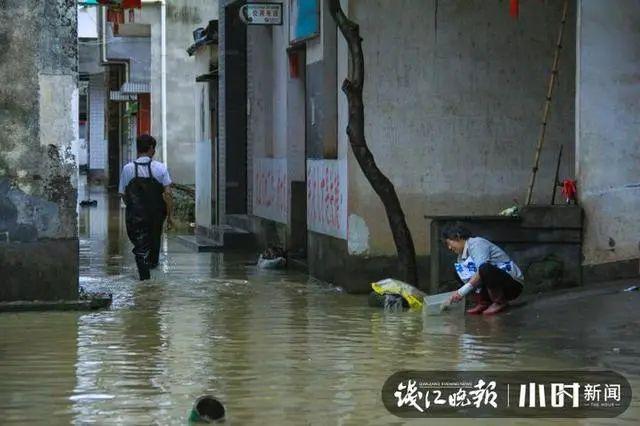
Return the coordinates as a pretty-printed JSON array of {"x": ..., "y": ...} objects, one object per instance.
[{"x": 278, "y": 348}]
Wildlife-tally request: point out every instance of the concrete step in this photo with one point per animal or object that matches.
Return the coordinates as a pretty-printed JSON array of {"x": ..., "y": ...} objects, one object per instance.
[
  {"x": 236, "y": 238},
  {"x": 220, "y": 238},
  {"x": 241, "y": 221},
  {"x": 199, "y": 243}
]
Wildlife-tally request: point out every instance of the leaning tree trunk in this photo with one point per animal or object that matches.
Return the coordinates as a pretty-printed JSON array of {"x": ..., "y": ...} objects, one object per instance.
[{"x": 352, "y": 87}]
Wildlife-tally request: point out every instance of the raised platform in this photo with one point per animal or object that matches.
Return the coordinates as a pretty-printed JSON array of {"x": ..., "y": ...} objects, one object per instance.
[
  {"x": 89, "y": 304},
  {"x": 199, "y": 243},
  {"x": 545, "y": 241},
  {"x": 217, "y": 238}
]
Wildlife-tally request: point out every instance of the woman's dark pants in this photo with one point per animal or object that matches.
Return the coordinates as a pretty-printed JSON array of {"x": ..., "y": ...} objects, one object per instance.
[{"x": 497, "y": 285}]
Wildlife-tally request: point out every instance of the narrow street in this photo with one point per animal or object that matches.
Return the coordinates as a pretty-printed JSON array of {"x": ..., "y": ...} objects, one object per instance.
[
  {"x": 470, "y": 167},
  {"x": 274, "y": 346}
]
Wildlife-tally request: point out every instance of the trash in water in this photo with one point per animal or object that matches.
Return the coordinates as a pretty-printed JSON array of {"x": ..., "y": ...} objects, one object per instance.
[
  {"x": 207, "y": 409},
  {"x": 394, "y": 302},
  {"x": 272, "y": 258},
  {"x": 632, "y": 288},
  {"x": 88, "y": 203},
  {"x": 511, "y": 211},
  {"x": 411, "y": 295}
]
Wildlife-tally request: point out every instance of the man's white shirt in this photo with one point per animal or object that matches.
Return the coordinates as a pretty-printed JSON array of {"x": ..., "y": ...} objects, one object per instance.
[{"x": 158, "y": 170}]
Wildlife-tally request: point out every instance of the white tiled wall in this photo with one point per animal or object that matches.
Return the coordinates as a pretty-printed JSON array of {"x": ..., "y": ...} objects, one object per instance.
[{"x": 97, "y": 139}]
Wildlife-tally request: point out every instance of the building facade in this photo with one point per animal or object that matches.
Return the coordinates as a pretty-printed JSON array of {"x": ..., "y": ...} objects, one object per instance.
[{"x": 453, "y": 102}]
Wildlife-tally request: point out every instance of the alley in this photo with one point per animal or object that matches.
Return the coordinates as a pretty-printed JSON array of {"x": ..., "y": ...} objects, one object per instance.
[
  {"x": 471, "y": 166},
  {"x": 275, "y": 346}
]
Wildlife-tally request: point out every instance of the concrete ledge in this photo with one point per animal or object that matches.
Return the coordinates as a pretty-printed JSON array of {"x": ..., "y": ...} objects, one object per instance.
[
  {"x": 199, "y": 243},
  {"x": 45, "y": 270},
  {"x": 330, "y": 261},
  {"x": 567, "y": 216},
  {"x": 91, "y": 304},
  {"x": 626, "y": 269},
  {"x": 545, "y": 241}
]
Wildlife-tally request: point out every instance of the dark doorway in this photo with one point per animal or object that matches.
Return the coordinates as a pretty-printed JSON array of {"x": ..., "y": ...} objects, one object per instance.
[
  {"x": 114, "y": 130},
  {"x": 215, "y": 166},
  {"x": 235, "y": 110},
  {"x": 296, "y": 134}
]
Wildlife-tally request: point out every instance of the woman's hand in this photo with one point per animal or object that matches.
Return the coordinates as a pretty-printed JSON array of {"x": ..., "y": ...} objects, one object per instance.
[{"x": 455, "y": 298}]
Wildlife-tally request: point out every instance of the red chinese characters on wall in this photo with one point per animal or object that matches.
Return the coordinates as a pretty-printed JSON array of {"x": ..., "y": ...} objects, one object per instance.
[
  {"x": 270, "y": 189},
  {"x": 325, "y": 198}
]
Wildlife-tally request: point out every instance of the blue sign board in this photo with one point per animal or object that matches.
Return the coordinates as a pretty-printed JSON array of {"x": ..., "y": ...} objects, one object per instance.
[{"x": 304, "y": 20}]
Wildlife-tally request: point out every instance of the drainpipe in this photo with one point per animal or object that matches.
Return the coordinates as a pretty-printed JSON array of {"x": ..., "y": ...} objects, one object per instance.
[{"x": 163, "y": 72}]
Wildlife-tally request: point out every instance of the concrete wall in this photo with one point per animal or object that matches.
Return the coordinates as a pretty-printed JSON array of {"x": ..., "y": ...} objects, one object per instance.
[
  {"x": 135, "y": 50},
  {"x": 453, "y": 102},
  {"x": 183, "y": 16},
  {"x": 607, "y": 127},
  {"x": 38, "y": 126}
]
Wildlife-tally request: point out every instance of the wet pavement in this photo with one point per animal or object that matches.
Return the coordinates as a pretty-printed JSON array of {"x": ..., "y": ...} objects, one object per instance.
[{"x": 277, "y": 347}]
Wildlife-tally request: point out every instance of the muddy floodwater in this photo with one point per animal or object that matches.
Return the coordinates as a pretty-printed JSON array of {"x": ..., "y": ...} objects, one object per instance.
[{"x": 277, "y": 347}]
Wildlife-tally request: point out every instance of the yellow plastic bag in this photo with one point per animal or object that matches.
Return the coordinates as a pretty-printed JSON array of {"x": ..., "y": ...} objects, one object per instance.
[{"x": 413, "y": 296}]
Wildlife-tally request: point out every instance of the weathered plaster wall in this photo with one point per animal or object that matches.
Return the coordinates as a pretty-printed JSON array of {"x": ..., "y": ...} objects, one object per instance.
[
  {"x": 183, "y": 16},
  {"x": 38, "y": 174},
  {"x": 453, "y": 102},
  {"x": 607, "y": 127}
]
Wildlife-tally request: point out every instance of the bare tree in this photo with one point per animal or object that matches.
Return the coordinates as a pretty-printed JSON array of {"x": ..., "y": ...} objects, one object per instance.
[{"x": 352, "y": 87}]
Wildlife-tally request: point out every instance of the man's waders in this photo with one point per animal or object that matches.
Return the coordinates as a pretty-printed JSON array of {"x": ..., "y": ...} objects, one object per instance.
[{"x": 145, "y": 215}]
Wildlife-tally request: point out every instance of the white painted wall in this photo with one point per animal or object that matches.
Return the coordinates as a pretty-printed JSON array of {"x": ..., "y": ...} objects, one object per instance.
[{"x": 607, "y": 128}]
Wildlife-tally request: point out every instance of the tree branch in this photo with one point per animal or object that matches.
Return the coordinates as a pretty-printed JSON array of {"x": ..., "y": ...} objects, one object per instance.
[{"x": 353, "y": 89}]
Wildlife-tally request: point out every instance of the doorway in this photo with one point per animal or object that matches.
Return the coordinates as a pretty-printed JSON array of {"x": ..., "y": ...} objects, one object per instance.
[
  {"x": 215, "y": 165},
  {"x": 296, "y": 150},
  {"x": 235, "y": 111},
  {"x": 116, "y": 132}
]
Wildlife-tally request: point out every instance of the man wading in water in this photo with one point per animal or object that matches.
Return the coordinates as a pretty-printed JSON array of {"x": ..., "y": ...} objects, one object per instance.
[{"x": 145, "y": 187}]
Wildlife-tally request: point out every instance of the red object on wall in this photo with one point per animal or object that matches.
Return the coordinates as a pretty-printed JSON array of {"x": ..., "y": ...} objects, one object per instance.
[
  {"x": 115, "y": 15},
  {"x": 123, "y": 4},
  {"x": 294, "y": 65},
  {"x": 144, "y": 114},
  {"x": 569, "y": 190},
  {"x": 131, "y": 4},
  {"x": 514, "y": 8}
]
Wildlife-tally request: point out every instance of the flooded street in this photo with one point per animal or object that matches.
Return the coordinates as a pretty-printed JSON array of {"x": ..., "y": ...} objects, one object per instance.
[{"x": 276, "y": 347}]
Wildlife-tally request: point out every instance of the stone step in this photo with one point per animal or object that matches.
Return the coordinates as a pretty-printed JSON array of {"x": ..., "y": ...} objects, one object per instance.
[
  {"x": 199, "y": 243},
  {"x": 241, "y": 221},
  {"x": 219, "y": 238}
]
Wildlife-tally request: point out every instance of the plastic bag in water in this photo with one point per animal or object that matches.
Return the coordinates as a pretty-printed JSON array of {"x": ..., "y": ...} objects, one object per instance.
[
  {"x": 409, "y": 293},
  {"x": 394, "y": 302}
]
